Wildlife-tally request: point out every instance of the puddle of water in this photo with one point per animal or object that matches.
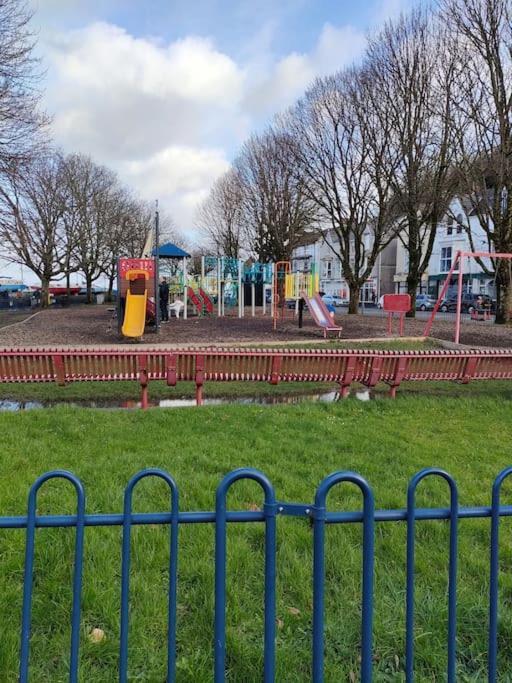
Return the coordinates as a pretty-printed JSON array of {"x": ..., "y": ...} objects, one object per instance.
[
  {"x": 15, "y": 406},
  {"x": 18, "y": 406},
  {"x": 326, "y": 397}
]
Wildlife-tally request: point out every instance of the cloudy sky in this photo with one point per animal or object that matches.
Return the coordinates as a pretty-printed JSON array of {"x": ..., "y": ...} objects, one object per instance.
[{"x": 165, "y": 91}]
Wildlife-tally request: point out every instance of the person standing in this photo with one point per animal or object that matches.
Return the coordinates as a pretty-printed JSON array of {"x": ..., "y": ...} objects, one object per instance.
[{"x": 163, "y": 293}]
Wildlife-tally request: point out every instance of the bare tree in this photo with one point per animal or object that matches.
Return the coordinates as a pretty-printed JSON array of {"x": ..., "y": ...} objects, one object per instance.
[
  {"x": 412, "y": 67},
  {"x": 32, "y": 208},
  {"x": 20, "y": 121},
  {"x": 220, "y": 216},
  {"x": 277, "y": 210},
  {"x": 169, "y": 232},
  {"x": 92, "y": 192},
  {"x": 483, "y": 121},
  {"x": 138, "y": 224},
  {"x": 120, "y": 235},
  {"x": 340, "y": 148}
]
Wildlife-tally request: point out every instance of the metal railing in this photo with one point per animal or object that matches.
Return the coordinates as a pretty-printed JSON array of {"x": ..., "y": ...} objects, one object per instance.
[
  {"x": 272, "y": 508},
  {"x": 342, "y": 366}
]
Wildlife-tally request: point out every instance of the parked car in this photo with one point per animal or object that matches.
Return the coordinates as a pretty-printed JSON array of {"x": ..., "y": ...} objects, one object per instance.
[
  {"x": 425, "y": 302},
  {"x": 332, "y": 300},
  {"x": 469, "y": 303}
]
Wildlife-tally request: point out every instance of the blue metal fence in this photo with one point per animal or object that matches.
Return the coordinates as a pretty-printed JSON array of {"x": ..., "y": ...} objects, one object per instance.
[{"x": 272, "y": 509}]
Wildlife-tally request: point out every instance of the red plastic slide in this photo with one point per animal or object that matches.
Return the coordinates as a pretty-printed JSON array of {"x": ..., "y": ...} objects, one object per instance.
[
  {"x": 206, "y": 300},
  {"x": 195, "y": 300},
  {"x": 320, "y": 314}
]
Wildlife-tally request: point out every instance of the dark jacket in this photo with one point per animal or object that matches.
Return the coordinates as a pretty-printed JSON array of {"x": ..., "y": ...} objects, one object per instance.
[{"x": 164, "y": 292}]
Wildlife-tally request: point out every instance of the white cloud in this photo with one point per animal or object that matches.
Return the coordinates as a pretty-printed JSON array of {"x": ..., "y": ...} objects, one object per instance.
[
  {"x": 168, "y": 116},
  {"x": 287, "y": 80},
  {"x": 180, "y": 174}
]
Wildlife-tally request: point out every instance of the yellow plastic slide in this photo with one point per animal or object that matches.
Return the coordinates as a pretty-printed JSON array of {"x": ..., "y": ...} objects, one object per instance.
[
  {"x": 134, "y": 314},
  {"x": 136, "y": 301}
]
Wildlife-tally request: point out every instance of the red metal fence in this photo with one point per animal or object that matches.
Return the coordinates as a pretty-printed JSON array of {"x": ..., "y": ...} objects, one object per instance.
[{"x": 340, "y": 366}]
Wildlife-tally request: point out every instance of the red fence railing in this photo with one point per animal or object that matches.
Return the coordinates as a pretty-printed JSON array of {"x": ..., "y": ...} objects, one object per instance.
[{"x": 341, "y": 366}]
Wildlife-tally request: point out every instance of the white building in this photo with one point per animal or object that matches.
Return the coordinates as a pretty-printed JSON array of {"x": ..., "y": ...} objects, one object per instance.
[
  {"x": 323, "y": 257},
  {"x": 451, "y": 237}
]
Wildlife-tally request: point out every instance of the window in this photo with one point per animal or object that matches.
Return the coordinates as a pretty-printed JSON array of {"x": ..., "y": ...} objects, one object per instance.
[
  {"x": 446, "y": 259},
  {"x": 449, "y": 225},
  {"x": 459, "y": 223},
  {"x": 327, "y": 270}
]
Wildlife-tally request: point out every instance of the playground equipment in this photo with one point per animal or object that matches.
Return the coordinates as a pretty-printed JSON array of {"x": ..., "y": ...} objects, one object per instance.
[
  {"x": 200, "y": 300},
  {"x": 320, "y": 314},
  {"x": 258, "y": 285},
  {"x": 458, "y": 264},
  {"x": 290, "y": 287},
  {"x": 396, "y": 303},
  {"x": 221, "y": 288},
  {"x": 136, "y": 301},
  {"x": 221, "y": 281}
]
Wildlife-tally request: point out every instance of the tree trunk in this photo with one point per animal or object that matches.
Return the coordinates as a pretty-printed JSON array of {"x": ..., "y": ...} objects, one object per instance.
[
  {"x": 88, "y": 284},
  {"x": 503, "y": 293},
  {"x": 412, "y": 288},
  {"x": 110, "y": 287},
  {"x": 353, "y": 301},
  {"x": 45, "y": 295}
]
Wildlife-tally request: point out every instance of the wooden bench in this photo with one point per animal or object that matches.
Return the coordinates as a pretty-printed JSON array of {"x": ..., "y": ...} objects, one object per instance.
[{"x": 343, "y": 367}]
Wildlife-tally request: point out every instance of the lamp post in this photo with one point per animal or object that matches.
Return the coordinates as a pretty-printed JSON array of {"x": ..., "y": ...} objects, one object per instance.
[{"x": 157, "y": 245}]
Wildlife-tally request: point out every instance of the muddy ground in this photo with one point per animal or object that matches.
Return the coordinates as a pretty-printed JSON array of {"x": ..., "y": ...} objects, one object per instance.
[{"x": 95, "y": 325}]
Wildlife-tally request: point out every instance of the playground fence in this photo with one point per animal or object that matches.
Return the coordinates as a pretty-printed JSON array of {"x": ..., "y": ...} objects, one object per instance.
[
  {"x": 268, "y": 514},
  {"x": 341, "y": 366}
]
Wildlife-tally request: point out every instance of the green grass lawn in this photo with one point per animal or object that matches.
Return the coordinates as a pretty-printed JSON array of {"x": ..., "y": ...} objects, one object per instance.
[{"x": 296, "y": 446}]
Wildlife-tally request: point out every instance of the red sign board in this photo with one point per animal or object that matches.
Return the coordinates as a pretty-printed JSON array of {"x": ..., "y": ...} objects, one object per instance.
[
  {"x": 397, "y": 303},
  {"x": 146, "y": 264}
]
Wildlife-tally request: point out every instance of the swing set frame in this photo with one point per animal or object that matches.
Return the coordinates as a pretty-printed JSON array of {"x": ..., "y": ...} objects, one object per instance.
[{"x": 459, "y": 259}]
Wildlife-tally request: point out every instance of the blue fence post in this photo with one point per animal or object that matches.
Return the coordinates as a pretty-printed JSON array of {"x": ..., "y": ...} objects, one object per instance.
[
  {"x": 125, "y": 573},
  {"x": 29, "y": 574},
  {"x": 452, "y": 571},
  {"x": 270, "y": 510},
  {"x": 319, "y": 520},
  {"x": 494, "y": 574}
]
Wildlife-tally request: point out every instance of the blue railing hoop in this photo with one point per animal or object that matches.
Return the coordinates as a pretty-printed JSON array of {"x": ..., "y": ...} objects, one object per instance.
[
  {"x": 452, "y": 571},
  {"x": 125, "y": 572},
  {"x": 270, "y": 510},
  {"x": 319, "y": 572},
  {"x": 26, "y": 619}
]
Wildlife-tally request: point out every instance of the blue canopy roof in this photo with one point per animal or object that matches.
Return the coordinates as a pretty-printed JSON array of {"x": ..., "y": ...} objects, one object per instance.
[{"x": 170, "y": 250}]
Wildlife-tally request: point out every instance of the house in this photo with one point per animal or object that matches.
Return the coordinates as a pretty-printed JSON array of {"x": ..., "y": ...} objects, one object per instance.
[
  {"x": 321, "y": 254},
  {"x": 451, "y": 236}
]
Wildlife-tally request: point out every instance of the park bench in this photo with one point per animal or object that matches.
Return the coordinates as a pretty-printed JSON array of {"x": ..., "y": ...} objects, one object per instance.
[{"x": 344, "y": 367}]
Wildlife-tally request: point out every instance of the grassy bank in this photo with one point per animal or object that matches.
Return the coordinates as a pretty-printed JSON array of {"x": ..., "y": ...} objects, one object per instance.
[{"x": 296, "y": 446}]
